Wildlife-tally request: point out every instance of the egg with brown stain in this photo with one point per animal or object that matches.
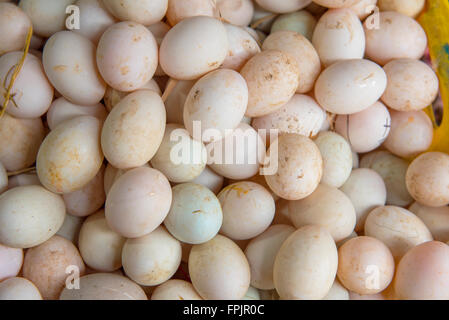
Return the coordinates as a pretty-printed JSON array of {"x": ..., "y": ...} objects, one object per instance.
[{"x": 70, "y": 155}]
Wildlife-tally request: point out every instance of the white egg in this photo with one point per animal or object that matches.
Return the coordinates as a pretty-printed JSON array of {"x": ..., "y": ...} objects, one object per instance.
[
  {"x": 350, "y": 86},
  {"x": 195, "y": 215},
  {"x": 339, "y": 35}
]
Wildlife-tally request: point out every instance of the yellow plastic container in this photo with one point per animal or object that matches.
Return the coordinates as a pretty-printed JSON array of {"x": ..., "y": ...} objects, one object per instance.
[{"x": 435, "y": 21}]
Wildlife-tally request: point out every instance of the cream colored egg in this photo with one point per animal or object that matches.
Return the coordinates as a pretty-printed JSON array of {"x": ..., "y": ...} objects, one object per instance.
[
  {"x": 87, "y": 200},
  {"x": 217, "y": 101},
  {"x": 138, "y": 202},
  {"x": 306, "y": 264},
  {"x": 175, "y": 290},
  {"x": 69, "y": 63},
  {"x": 436, "y": 219},
  {"x": 399, "y": 229},
  {"x": 194, "y": 47},
  {"x": 219, "y": 270},
  {"x": 127, "y": 56},
  {"x": 422, "y": 273},
  {"x": 427, "y": 179},
  {"x": 31, "y": 93},
  {"x": 304, "y": 53},
  {"x": 337, "y": 292},
  {"x": 350, "y": 86},
  {"x": 412, "y": 85},
  {"x": 70, "y": 155},
  {"x": 237, "y": 12},
  {"x": 209, "y": 179},
  {"x": 48, "y": 16},
  {"x": 19, "y": 141},
  {"x": 272, "y": 77},
  {"x": 29, "y": 216},
  {"x": 365, "y": 265},
  {"x": 337, "y": 158},
  {"x": 14, "y": 26},
  {"x": 179, "y": 157},
  {"x": 283, "y": 6},
  {"x": 365, "y": 130},
  {"x": 62, "y": 110},
  {"x": 339, "y": 36},
  {"x": 105, "y": 286},
  {"x": 18, "y": 289},
  {"x": 152, "y": 259},
  {"x": 94, "y": 19},
  {"x": 410, "y": 8},
  {"x": 301, "y": 22},
  {"x": 46, "y": 265},
  {"x": 366, "y": 189},
  {"x": 145, "y": 12},
  {"x": 397, "y": 36},
  {"x": 134, "y": 129},
  {"x": 411, "y": 133},
  {"x": 327, "y": 207},
  {"x": 248, "y": 210},
  {"x": 4, "y": 182},
  {"x": 242, "y": 47},
  {"x": 299, "y": 166},
  {"x": 182, "y": 9},
  {"x": 300, "y": 115},
  {"x": 100, "y": 247},
  {"x": 176, "y": 100},
  {"x": 195, "y": 215},
  {"x": 12, "y": 260},
  {"x": 238, "y": 155},
  {"x": 70, "y": 228},
  {"x": 112, "y": 96},
  {"x": 335, "y": 3},
  {"x": 261, "y": 253},
  {"x": 364, "y": 8},
  {"x": 392, "y": 169}
]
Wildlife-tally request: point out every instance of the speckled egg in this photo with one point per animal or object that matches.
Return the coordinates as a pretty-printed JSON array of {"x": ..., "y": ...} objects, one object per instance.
[
  {"x": 299, "y": 166},
  {"x": 127, "y": 56},
  {"x": 302, "y": 50},
  {"x": 272, "y": 77},
  {"x": 46, "y": 265},
  {"x": 427, "y": 179}
]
